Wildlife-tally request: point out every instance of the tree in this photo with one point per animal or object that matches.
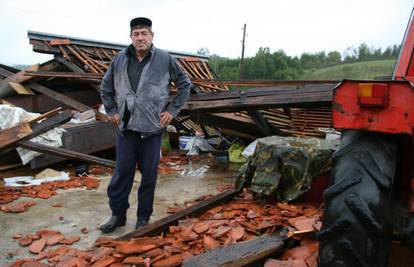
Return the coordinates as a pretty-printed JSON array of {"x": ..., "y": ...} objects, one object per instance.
[
  {"x": 334, "y": 57},
  {"x": 351, "y": 54},
  {"x": 363, "y": 52},
  {"x": 203, "y": 51}
]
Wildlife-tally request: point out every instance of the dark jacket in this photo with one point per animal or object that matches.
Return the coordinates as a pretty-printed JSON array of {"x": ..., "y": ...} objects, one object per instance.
[{"x": 152, "y": 95}]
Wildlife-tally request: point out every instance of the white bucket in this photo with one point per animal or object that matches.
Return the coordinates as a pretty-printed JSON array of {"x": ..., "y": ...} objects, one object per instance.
[{"x": 183, "y": 140}]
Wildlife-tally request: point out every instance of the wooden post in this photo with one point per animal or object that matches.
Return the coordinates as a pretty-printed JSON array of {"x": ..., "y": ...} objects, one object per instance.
[{"x": 241, "y": 74}]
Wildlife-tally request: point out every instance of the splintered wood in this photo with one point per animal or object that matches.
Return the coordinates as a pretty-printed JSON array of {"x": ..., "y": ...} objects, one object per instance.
[{"x": 241, "y": 219}]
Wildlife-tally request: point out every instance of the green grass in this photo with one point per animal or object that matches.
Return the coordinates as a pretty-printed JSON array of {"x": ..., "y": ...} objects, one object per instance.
[{"x": 367, "y": 70}]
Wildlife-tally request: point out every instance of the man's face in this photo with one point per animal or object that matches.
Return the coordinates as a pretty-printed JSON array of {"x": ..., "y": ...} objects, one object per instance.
[{"x": 142, "y": 39}]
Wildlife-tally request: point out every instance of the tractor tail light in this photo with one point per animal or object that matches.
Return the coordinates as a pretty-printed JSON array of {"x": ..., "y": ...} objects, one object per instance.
[{"x": 374, "y": 95}]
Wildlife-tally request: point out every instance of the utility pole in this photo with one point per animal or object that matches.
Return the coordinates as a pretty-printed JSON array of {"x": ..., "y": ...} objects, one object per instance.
[{"x": 242, "y": 54}]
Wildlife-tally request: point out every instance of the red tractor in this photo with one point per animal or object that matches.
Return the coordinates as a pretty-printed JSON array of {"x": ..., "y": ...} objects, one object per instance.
[{"x": 370, "y": 198}]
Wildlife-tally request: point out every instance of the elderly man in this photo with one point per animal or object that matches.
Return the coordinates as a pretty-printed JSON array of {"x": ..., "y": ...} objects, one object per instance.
[{"x": 135, "y": 93}]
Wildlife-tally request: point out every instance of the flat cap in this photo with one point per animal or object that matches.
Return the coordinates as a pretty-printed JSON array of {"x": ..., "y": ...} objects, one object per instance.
[{"x": 140, "y": 21}]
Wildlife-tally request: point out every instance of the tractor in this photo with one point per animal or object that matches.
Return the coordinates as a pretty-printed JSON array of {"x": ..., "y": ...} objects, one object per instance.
[{"x": 370, "y": 197}]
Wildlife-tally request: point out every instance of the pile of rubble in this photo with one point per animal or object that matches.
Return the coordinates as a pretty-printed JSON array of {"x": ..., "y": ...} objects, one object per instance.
[{"x": 241, "y": 219}]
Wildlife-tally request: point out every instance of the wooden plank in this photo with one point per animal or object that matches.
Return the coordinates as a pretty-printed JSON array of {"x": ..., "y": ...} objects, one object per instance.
[
  {"x": 6, "y": 167},
  {"x": 58, "y": 96},
  {"x": 19, "y": 77},
  {"x": 260, "y": 91},
  {"x": 63, "y": 74},
  {"x": 66, "y": 153},
  {"x": 82, "y": 59},
  {"x": 22, "y": 130},
  {"x": 63, "y": 51},
  {"x": 92, "y": 62},
  {"x": 239, "y": 254},
  {"x": 264, "y": 83},
  {"x": 50, "y": 123},
  {"x": 291, "y": 99},
  {"x": 264, "y": 126},
  {"x": 21, "y": 89},
  {"x": 14, "y": 134},
  {"x": 48, "y": 92},
  {"x": 86, "y": 138},
  {"x": 105, "y": 53},
  {"x": 44, "y": 126},
  {"x": 45, "y": 115},
  {"x": 234, "y": 123},
  {"x": 49, "y": 65},
  {"x": 70, "y": 65},
  {"x": 163, "y": 224}
]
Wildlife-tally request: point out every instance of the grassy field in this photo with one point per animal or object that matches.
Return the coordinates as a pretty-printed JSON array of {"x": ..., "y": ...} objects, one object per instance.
[{"x": 366, "y": 70}]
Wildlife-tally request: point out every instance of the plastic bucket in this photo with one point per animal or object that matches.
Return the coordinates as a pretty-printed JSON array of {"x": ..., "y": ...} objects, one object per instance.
[{"x": 183, "y": 140}]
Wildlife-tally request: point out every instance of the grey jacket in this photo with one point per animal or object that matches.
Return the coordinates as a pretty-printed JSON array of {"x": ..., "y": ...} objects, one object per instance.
[{"x": 152, "y": 95}]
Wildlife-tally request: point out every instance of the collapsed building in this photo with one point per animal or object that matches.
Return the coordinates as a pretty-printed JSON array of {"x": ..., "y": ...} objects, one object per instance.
[{"x": 71, "y": 80}]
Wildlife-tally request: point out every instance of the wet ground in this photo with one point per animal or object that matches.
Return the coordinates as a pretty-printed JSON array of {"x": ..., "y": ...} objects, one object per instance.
[{"x": 89, "y": 208}]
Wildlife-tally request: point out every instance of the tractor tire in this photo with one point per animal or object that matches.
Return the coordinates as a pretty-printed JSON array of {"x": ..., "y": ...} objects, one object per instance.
[{"x": 357, "y": 222}]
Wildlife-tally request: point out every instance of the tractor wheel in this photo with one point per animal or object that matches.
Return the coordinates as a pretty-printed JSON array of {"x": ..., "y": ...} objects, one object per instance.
[{"x": 357, "y": 225}]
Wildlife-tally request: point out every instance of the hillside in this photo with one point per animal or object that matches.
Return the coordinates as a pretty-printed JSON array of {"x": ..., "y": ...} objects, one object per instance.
[{"x": 359, "y": 70}]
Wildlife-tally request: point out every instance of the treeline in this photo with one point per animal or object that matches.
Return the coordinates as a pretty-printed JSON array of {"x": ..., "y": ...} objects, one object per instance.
[{"x": 277, "y": 65}]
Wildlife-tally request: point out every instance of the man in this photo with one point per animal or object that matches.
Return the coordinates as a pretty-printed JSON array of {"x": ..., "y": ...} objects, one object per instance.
[{"x": 135, "y": 93}]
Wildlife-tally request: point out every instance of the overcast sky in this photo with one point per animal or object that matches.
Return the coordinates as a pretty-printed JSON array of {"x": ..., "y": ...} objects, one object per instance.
[{"x": 296, "y": 26}]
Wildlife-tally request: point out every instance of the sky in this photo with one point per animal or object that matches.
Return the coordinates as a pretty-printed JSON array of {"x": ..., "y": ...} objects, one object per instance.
[{"x": 296, "y": 26}]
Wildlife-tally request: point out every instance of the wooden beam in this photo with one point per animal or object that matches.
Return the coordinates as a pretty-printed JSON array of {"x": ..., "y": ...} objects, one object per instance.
[
  {"x": 45, "y": 115},
  {"x": 19, "y": 77},
  {"x": 66, "y": 153},
  {"x": 299, "y": 98},
  {"x": 70, "y": 65},
  {"x": 49, "y": 92},
  {"x": 50, "y": 123},
  {"x": 58, "y": 96},
  {"x": 163, "y": 224},
  {"x": 280, "y": 90},
  {"x": 263, "y": 125},
  {"x": 261, "y": 83},
  {"x": 62, "y": 74},
  {"x": 21, "y": 89},
  {"x": 14, "y": 134},
  {"x": 230, "y": 122},
  {"x": 42, "y": 127},
  {"x": 239, "y": 254}
]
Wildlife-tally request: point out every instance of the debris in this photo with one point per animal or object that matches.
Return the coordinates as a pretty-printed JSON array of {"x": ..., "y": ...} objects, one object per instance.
[
  {"x": 54, "y": 239},
  {"x": 194, "y": 236},
  {"x": 299, "y": 160},
  {"x": 17, "y": 236},
  {"x": 70, "y": 240},
  {"x": 224, "y": 187},
  {"x": 25, "y": 241},
  {"x": 29, "y": 180},
  {"x": 174, "y": 260},
  {"x": 209, "y": 243},
  {"x": 37, "y": 246},
  {"x": 47, "y": 173},
  {"x": 235, "y": 153},
  {"x": 17, "y": 207},
  {"x": 46, "y": 190}
]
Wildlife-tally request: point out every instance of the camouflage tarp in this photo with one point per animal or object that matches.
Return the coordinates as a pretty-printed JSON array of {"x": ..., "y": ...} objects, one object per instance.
[{"x": 284, "y": 166}]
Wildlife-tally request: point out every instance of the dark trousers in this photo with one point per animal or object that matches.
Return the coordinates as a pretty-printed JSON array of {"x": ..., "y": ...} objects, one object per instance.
[{"x": 131, "y": 149}]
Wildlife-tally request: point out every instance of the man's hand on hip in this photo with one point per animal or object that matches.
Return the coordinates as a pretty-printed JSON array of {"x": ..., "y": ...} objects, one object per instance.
[
  {"x": 114, "y": 119},
  {"x": 166, "y": 118}
]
